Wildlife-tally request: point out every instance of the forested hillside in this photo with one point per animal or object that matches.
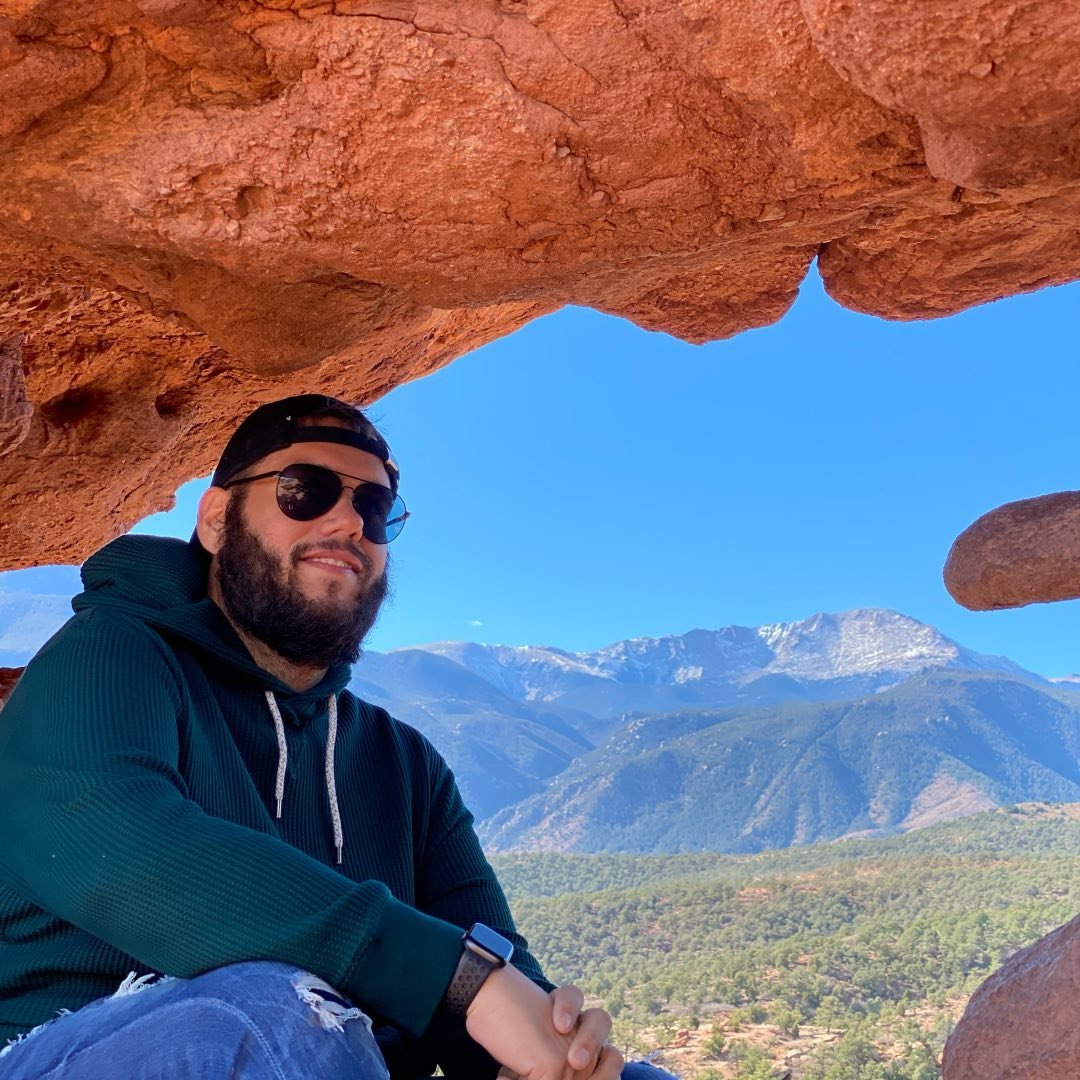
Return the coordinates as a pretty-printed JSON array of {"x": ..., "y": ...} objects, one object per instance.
[
  {"x": 846, "y": 961},
  {"x": 940, "y": 745}
]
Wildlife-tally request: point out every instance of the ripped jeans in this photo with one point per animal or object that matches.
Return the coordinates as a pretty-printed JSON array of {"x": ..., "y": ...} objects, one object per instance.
[
  {"x": 255, "y": 1021},
  {"x": 259, "y": 1021}
]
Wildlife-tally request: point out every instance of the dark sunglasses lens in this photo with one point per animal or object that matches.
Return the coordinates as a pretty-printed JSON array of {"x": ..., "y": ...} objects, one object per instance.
[
  {"x": 305, "y": 492},
  {"x": 383, "y": 512},
  {"x": 395, "y": 521}
]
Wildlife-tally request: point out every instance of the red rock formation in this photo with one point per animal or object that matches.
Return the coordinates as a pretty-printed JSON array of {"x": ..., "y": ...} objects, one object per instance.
[
  {"x": 15, "y": 410},
  {"x": 953, "y": 67},
  {"x": 207, "y": 203},
  {"x": 9, "y": 676},
  {"x": 1025, "y": 552},
  {"x": 1021, "y": 1023}
]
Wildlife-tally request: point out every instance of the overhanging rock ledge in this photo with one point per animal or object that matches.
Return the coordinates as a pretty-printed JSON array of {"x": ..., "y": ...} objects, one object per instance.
[{"x": 208, "y": 204}]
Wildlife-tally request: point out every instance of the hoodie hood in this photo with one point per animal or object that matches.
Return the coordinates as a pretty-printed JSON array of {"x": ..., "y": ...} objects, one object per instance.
[{"x": 162, "y": 582}]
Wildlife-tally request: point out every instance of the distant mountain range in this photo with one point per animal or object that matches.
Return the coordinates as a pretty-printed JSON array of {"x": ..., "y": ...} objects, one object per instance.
[
  {"x": 822, "y": 658},
  {"x": 865, "y": 722}
]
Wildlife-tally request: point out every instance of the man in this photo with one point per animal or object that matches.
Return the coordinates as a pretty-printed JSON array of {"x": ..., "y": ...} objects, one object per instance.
[{"x": 196, "y": 810}]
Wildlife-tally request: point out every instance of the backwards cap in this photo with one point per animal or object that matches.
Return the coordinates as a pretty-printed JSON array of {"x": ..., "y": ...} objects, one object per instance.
[{"x": 280, "y": 423}]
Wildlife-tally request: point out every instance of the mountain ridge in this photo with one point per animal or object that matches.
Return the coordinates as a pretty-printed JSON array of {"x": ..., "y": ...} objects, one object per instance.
[
  {"x": 636, "y": 704},
  {"x": 942, "y": 745},
  {"x": 857, "y": 642}
]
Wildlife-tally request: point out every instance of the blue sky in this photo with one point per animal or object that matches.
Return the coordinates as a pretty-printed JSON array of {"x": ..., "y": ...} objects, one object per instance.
[{"x": 583, "y": 481}]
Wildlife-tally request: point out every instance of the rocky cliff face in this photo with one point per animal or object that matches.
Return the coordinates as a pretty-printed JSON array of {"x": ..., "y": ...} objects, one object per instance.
[{"x": 206, "y": 204}]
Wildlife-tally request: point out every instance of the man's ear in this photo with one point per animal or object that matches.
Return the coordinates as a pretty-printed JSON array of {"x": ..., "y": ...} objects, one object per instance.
[{"x": 210, "y": 523}]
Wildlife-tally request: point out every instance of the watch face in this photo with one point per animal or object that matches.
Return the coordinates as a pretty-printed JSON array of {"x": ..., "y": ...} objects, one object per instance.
[{"x": 484, "y": 939}]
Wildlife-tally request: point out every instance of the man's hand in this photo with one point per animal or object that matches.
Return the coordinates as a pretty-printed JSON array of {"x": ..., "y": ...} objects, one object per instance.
[
  {"x": 533, "y": 1034},
  {"x": 588, "y": 1050}
]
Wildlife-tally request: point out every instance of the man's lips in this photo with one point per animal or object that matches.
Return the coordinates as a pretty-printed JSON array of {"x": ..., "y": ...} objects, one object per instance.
[{"x": 334, "y": 560}]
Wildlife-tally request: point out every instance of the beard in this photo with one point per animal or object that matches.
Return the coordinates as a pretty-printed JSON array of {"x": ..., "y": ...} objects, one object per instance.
[{"x": 269, "y": 603}]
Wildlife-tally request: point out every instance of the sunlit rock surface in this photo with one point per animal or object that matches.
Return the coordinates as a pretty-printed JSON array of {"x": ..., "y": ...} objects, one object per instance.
[
  {"x": 207, "y": 204},
  {"x": 1021, "y": 1023},
  {"x": 1024, "y": 552}
]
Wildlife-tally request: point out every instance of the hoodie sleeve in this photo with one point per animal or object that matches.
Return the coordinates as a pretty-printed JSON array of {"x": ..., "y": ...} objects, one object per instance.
[
  {"x": 456, "y": 883},
  {"x": 99, "y": 831}
]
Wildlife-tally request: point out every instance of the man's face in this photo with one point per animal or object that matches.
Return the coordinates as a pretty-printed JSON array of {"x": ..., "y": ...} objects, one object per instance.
[{"x": 310, "y": 590}]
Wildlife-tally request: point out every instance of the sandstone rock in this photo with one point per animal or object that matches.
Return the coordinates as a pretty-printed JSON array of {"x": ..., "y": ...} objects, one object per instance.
[
  {"x": 8, "y": 677},
  {"x": 204, "y": 205},
  {"x": 954, "y": 67},
  {"x": 1021, "y": 1023},
  {"x": 1025, "y": 552},
  {"x": 156, "y": 407},
  {"x": 15, "y": 410}
]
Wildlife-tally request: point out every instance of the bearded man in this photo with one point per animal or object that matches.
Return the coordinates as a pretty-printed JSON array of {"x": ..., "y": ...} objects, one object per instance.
[{"x": 281, "y": 879}]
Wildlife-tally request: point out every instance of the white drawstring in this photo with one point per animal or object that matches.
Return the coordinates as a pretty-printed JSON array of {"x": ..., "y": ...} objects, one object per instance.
[
  {"x": 331, "y": 781},
  {"x": 282, "y": 748}
]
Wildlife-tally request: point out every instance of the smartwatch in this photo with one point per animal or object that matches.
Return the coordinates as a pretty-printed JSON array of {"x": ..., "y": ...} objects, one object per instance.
[{"x": 483, "y": 952}]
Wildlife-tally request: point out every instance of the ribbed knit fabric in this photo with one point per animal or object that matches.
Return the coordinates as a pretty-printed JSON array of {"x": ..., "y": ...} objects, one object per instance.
[{"x": 138, "y": 761}]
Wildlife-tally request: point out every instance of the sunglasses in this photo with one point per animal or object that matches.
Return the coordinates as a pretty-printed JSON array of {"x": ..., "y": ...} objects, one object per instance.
[{"x": 305, "y": 492}]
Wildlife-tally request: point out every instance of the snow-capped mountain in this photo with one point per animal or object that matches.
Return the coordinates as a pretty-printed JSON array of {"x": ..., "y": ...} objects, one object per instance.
[
  {"x": 510, "y": 718},
  {"x": 827, "y": 655},
  {"x": 868, "y": 641}
]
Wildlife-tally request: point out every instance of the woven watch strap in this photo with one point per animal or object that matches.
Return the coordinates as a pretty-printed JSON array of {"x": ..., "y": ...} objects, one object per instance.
[{"x": 471, "y": 972}]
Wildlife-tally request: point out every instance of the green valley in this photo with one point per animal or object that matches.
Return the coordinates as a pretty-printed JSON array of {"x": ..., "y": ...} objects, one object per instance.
[{"x": 841, "y": 961}]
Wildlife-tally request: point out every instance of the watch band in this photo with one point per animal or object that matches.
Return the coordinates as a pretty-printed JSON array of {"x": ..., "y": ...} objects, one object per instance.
[
  {"x": 483, "y": 951},
  {"x": 471, "y": 972}
]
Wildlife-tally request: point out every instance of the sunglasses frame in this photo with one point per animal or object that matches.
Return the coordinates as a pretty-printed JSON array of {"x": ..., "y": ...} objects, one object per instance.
[{"x": 399, "y": 520}]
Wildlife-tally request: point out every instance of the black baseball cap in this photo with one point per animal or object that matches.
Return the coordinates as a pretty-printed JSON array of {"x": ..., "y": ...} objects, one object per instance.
[{"x": 296, "y": 420}]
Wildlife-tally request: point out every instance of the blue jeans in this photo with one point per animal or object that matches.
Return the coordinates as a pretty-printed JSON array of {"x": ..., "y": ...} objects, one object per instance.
[{"x": 256, "y": 1021}]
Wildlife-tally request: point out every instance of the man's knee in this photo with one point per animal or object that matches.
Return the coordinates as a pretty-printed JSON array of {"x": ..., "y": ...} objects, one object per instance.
[
  {"x": 258, "y": 985},
  {"x": 293, "y": 1017},
  {"x": 261, "y": 1020}
]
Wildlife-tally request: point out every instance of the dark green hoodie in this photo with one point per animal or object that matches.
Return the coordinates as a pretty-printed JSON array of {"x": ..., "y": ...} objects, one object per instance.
[{"x": 138, "y": 759}]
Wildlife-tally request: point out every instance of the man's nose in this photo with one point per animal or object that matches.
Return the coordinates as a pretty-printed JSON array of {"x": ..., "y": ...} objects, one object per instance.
[{"x": 343, "y": 516}]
